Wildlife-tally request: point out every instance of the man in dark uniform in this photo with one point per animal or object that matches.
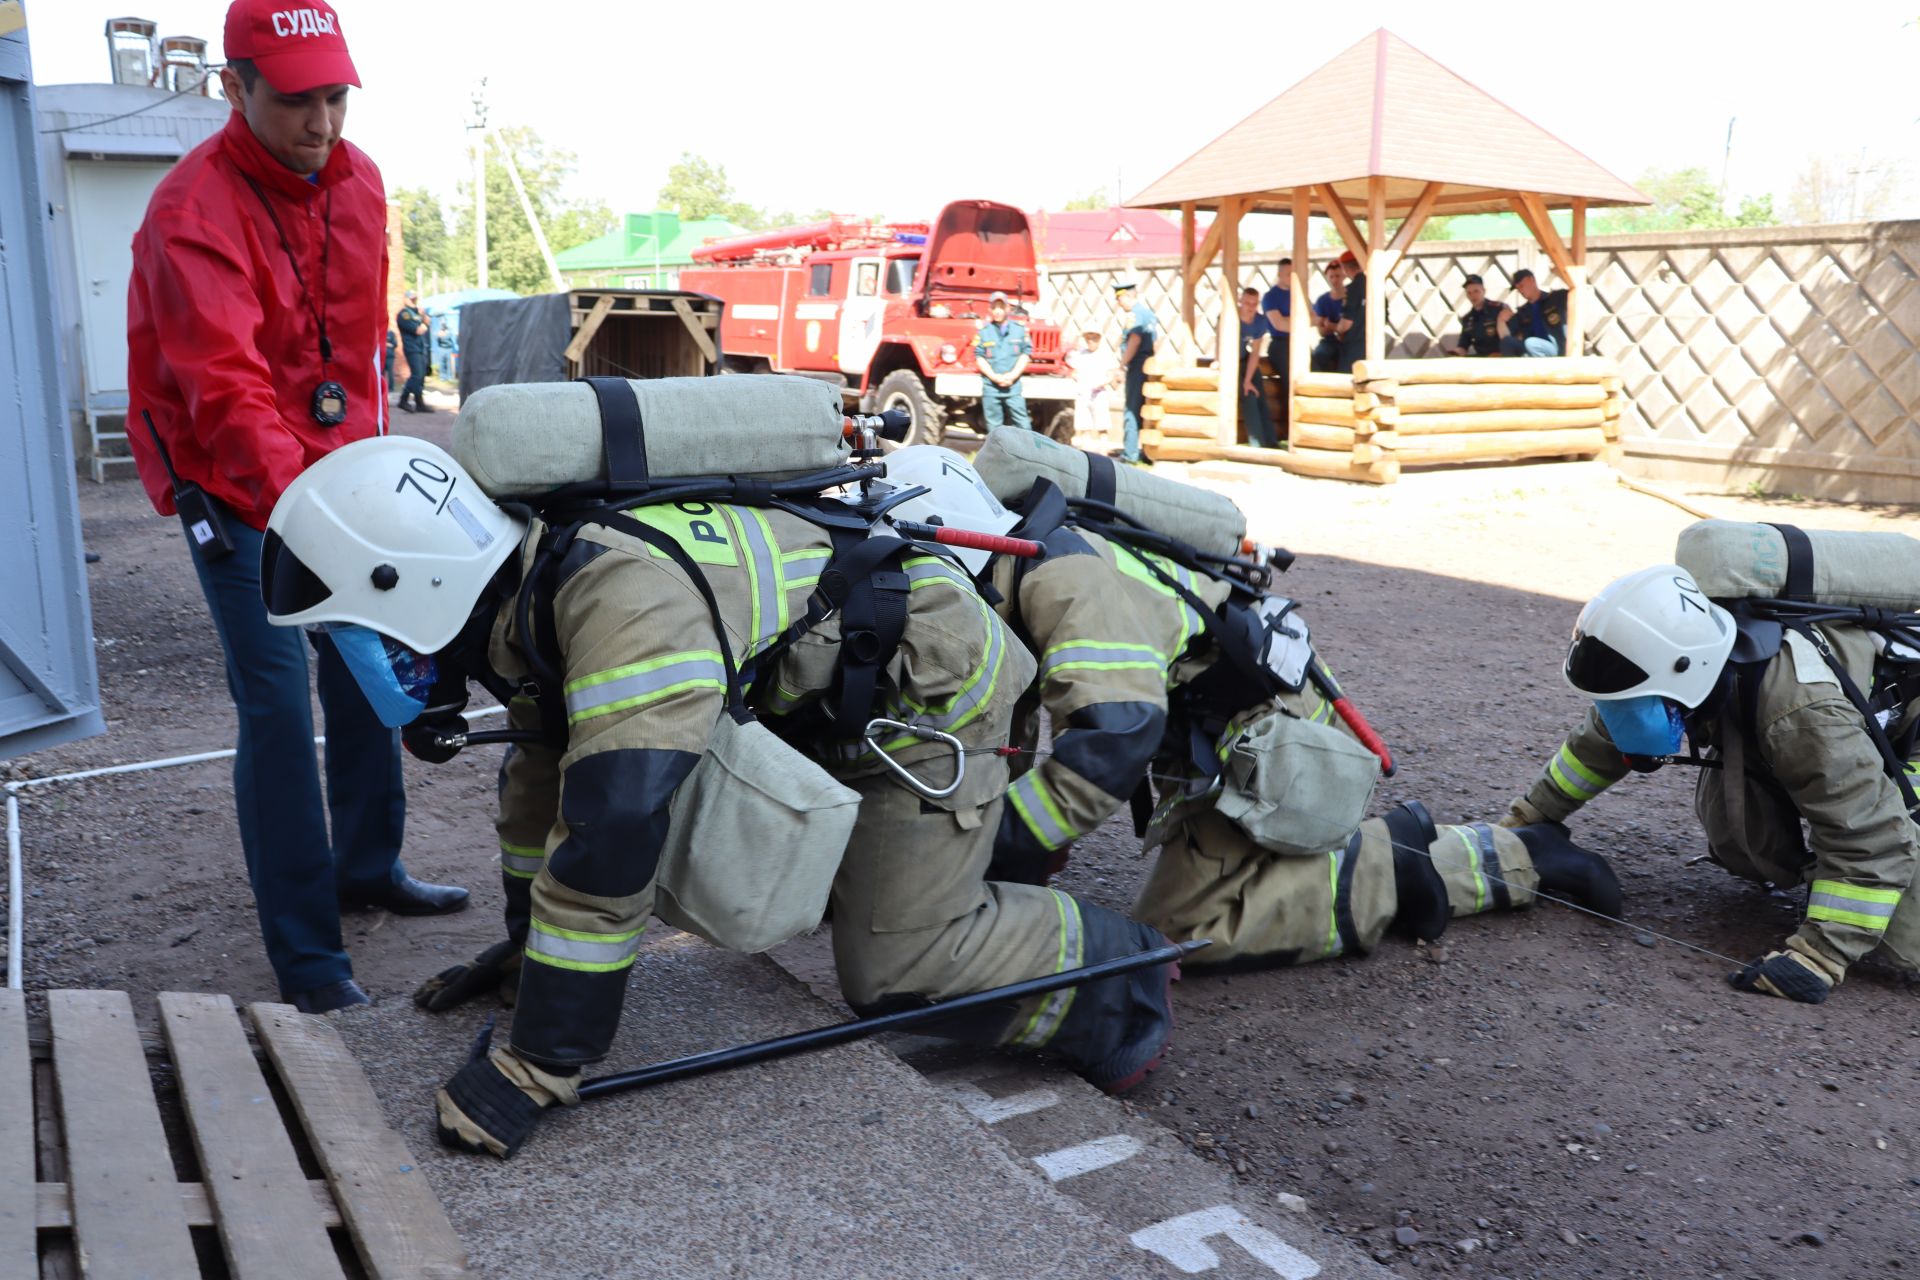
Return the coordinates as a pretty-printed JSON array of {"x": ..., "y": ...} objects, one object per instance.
[
  {"x": 413, "y": 326},
  {"x": 1480, "y": 326},
  {"x": 1352, "y": 328},
  {"x": 1539, "y": 327}
]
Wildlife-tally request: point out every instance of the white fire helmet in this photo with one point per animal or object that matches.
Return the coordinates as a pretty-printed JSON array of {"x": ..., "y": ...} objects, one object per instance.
[
  {"x": 956, "y": 497},
  {"x": 1652, "y": 633},
  {"x": 390, "y": 534}
]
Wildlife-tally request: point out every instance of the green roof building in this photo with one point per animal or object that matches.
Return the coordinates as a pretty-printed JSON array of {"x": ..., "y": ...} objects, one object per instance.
[{"x": 646, "y": 251}]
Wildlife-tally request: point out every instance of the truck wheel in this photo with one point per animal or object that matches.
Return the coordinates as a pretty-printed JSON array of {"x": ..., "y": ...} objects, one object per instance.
[
  {"x": 1060, "y": 425},
  {"x": 902, "y": 389}
]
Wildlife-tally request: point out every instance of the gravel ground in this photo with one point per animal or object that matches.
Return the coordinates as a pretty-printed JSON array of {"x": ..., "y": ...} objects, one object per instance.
[{"x": 1536, "y": 1095}]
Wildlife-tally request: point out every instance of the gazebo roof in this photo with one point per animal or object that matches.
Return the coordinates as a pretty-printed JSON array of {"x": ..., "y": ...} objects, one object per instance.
[{"x": 1384, "y": 109}]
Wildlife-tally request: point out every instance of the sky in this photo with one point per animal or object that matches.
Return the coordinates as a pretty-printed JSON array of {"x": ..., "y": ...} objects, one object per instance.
[{"x": 906, "y": 106}]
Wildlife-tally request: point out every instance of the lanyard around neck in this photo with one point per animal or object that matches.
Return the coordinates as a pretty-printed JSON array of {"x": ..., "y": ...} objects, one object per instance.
[{"x": 319, "y": 312}]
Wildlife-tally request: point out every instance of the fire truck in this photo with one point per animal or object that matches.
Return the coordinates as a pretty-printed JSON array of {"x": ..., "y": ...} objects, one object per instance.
[{"x": 887, "y": 311}]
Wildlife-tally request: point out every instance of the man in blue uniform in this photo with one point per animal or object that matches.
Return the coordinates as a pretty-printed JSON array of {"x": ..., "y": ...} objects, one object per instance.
[
  {"x": 1136, "y": 340},
  {"x": 1001, "y": 351},
  {"x": 1539, "y": 326}
]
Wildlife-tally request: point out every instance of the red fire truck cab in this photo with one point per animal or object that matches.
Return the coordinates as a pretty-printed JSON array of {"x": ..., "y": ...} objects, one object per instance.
[{"x": 887, "y": 311}]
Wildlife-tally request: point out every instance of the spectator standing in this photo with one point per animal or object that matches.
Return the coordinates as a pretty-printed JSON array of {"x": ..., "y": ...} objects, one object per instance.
[
  {"x": 1539, "y": 326},
  {"x": 1256, "y": 333},
  {"x": 1095, "y": 374},
  {"x": 1327, "y": 310},
  {"x": 1137, "y": 339},
  {"x": 415, "y": 345},
  {"x": 1352, "y": 327},
  {"x": 254, "y": 322},
  {"x": 1276, "y": 308},
  {"x": 1480, "y": 326},
  {"x": 386, "y": 363},
  {"x": 1001, "y": 352}
]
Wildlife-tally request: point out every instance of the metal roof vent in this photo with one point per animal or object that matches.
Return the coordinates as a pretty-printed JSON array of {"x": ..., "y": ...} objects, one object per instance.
[
  {"x": 130, "y": 47},
  {"x": 183, "y": 65}
]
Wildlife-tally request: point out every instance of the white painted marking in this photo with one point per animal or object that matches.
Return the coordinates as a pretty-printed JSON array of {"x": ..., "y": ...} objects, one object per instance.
[
  {"x": 1183, "y": 1242},
  {"x": 754, "y": 311},
  {"x": 815, "y": 310},
  {"x": 990, "y": 1110},
  {"x": 1071, "y": 1162}
]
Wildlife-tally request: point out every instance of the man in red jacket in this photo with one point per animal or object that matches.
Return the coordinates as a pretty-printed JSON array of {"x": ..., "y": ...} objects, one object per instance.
[{"x": 255, "y": 320}]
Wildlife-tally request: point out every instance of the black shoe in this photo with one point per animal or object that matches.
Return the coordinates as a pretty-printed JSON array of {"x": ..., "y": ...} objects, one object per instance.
[
  {"x": 1581, "y": 876},
  {"x": 335, "y": 995},
  {"x": 405, "y": 897},
  {"x": 1421, "y": 908}
]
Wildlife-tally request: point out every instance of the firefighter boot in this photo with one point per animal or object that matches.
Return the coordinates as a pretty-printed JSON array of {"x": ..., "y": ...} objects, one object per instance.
[
  {"x": 1116, "y": 1029},
  {"x": 493, "y": 1103},
  {"x": 1421, "y": 910},
  {"x": 1567, "y": 871}
]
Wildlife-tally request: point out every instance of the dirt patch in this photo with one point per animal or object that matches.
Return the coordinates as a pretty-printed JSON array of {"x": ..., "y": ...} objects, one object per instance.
[{"x": 1539, "y": 1094}]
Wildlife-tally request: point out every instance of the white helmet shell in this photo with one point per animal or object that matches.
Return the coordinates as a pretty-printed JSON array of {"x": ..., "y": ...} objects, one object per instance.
[
  {"x": 390, "y": 533},
  {"x": 956, "y": 496},
  {"x": 1653, "y": 632}
]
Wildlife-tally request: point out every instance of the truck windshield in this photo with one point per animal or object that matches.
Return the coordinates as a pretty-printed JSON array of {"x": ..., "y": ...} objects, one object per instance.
[{"x": 900, "y": 273}]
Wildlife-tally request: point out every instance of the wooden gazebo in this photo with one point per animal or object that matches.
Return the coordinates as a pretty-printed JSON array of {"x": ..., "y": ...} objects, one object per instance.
[{"x": 1384, "y": 132}]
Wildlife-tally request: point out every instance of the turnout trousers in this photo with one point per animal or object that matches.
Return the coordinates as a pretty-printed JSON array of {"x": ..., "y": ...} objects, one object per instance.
[{"x": 1259, "y": 907}]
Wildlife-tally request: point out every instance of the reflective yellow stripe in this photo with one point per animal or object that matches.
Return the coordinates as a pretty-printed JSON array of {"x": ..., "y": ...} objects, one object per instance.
[
  {"x": 1053, "y": 1008},
  {"x": 1333, "y": 903},
  {"x": 581, "y": 951},
  {"x": 1473, "y": 863},
  {"x": 1838, "y": 902},
  {"x": 522, "y": 860},
  {"x": 639, "y": 683},
  {"x": 1575, "y": 780}
]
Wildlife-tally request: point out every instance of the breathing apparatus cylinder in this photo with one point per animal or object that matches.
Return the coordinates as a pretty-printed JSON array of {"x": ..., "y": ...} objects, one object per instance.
[
  {"x": 1013, "y": 458},
  {"x": 1732, "y": 559},
  {"x": 529, "y": 438}
]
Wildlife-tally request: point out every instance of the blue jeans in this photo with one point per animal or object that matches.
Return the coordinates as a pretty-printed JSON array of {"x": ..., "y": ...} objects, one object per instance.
[
  {"x": 1136, "y": 401},
  {"x": 295, "y": 870},
  {"x": 1001, "y": 404},
  {"x": 1513, "y": 346}
]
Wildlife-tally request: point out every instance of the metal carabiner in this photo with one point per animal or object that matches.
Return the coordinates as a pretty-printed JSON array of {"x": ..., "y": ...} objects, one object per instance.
[{"x": 925, "y": 734}]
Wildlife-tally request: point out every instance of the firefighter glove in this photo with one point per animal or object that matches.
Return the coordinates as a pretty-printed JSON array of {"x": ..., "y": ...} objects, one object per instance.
[
  {"x": 1784, "y": 973},
  {"x": 492, "y": 1104},
  {"x": 497, "y": 969},
  {"x": 1521, "y": 814}
]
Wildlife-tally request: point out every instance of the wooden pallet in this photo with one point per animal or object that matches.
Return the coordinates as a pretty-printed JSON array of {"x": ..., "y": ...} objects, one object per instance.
[{"x": 90, "y": 1171}]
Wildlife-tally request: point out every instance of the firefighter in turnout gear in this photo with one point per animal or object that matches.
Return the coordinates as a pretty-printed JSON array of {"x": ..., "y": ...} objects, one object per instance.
[
  {"x": 1134, "y": 681},
  {"x": 430, "y": 592},
  {"x": 1771, "y": 708}
]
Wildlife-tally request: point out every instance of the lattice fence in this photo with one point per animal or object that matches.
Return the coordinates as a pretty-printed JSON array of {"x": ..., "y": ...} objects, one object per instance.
[{"x": 1783, "y": 356}]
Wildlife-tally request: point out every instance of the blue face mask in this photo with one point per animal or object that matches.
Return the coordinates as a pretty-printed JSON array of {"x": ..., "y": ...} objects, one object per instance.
[
  {"x": 397, "y": 681},
  {"x": 1649, "y": 725}
]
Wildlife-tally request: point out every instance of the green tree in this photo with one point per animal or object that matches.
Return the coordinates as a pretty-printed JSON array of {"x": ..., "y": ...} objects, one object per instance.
[
  {"x": 424, "y": 235},
  {"x": 1094, "y": 200},
  {"x": 698, "y": 188},
  {"x": 513, "y": 257},
  {"x": 1684, "y": 200}
]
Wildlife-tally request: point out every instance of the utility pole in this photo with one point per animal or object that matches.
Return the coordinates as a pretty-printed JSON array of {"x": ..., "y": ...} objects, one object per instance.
[
  {"x": 533, "y": 219},
  {"x": 1853, "y": 193},
  {"x": 478, "y": 131}
]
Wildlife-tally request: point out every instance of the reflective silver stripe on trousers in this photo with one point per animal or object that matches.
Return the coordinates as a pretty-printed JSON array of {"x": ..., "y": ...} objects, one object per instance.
[
  {"x": 1053, "y": 1010},
  {"x": 643, "y": 683},
  {"x": 580, "y": 951},
  {"x": 1858, "y": 906},
  {"x": 526, "y": 866}
]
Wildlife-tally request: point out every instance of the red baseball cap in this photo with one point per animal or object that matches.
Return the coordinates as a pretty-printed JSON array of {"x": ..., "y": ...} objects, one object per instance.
[
  {"x": 296, "y": 44},
  {"x": 1347, "y": 259}
]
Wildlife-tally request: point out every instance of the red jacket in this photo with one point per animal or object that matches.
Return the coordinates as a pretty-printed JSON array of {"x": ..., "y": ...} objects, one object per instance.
[{"x": 222, "y": 348}]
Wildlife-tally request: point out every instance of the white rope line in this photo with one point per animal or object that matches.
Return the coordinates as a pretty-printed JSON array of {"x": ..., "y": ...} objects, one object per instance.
[{"x": 16, "y": 922}]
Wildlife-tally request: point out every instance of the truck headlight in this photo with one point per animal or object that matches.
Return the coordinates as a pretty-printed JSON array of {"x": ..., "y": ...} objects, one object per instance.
[{"x": 949, "y": 354}]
